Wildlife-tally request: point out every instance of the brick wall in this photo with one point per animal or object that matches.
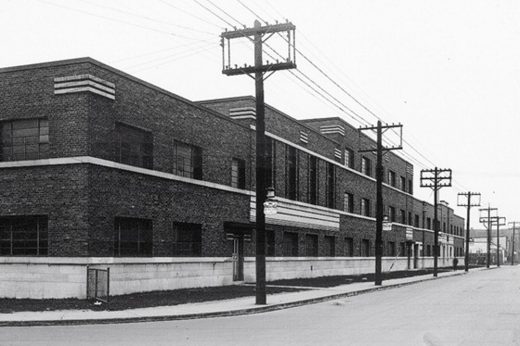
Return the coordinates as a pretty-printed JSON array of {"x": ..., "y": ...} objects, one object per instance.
[{"x": 83, "y": 124}]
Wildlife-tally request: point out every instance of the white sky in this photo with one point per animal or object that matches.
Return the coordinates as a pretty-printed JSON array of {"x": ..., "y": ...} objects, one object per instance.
[{"x": 447, "y": 70}]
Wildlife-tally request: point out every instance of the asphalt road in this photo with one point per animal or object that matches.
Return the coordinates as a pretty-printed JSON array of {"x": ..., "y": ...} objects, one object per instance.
[{"x": 482, "y": 308}]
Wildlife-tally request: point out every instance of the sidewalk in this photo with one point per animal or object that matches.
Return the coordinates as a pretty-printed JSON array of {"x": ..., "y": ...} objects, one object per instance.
[{"x": 230, "y": 307}]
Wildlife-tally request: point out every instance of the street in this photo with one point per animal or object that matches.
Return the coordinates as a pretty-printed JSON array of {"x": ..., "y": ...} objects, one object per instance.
[{"x": 482, "y": 308}]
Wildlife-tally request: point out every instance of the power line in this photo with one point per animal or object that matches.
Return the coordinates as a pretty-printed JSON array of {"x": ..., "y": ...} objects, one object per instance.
[
  {"x": 225, "y": 13},
  {"x": 338, "y": 85},
  {"x": 213, "y": 13},
  {"x": 182, "y": 56},
  {"x": 153, "y": 52},
  {"x": 362, "y": 121},
  {"x": 147, "y": 18},
  {"x": 167, "y": 3},
  {"x": 118, "y": 20}
]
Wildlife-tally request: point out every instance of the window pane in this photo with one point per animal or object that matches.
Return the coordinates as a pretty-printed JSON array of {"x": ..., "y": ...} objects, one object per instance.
[
  {"x": 21, "y": 139},
  {"x": 23, "y": 235},
  {"x": 133, "y": 237},
  {"x": 187, "y": 160},
  {"x": 187, "y": 239},
  {"x": 134, "y": 146},
  {"x": 25, "y": 124}
]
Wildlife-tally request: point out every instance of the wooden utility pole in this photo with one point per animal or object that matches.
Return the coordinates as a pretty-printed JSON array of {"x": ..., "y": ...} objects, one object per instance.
[
  {"x": 500, "y": 221},
  {"x": 468, "y": 204},
  {"x": 259, "y": 70},
  {"x": 514, "y": 223},
  {"x": 380, "y": 150},
  {"x": 487, "y": 220},
  {"x": 435, "y": 179}
]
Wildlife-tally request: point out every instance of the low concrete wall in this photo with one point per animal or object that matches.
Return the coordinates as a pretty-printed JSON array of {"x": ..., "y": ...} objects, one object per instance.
[
  {"x": 54, "y": 277},
  {"x": 57, "y": 277},
  {"x": 308, "y": 267}
]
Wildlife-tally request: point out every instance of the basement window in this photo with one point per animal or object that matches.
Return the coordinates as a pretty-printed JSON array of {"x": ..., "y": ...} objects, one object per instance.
[
  {"x": 23, "y": 236},
  {"x": 187, "y": 239},
  {"x": 133, "y": 237}
]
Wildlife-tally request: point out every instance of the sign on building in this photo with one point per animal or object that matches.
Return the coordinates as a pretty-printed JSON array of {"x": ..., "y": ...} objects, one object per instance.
[{"x": 409, "y": 234}]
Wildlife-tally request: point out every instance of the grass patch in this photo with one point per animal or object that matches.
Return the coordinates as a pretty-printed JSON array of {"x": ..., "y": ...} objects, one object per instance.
[
  {"x": 138, "y": 300},
  {"x": 332, "y": 281}
]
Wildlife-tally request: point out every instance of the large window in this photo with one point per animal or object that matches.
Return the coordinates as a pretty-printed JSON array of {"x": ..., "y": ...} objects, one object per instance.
[
  {"x": 23, "y": 235},
  {"x": 391, "y": 178},
  {"x": 187, "y": 160},
  {"x": 270, "y": 243},
  {"x": 238, "y": 173},
  {"x": 329, "y": 246},
  {"x": 290, "y": 244},
  {"x": 349, "y": 158},
  {"x": 403, "y": 183},
  {"x": 349, "y": 247},
  {"x": 402, "y": 249},
  {"x": 24, "y": 140},
  {"x": 270, "y": 160},
  {"x": 330, "y": 188},
  {"x": 291, "y": 173},
  {"x": 313, "y": 179},
  {"x": 390, "y": 251},
  {"x": 187, "y": 239},
  {"x": 311, "y": 245},
  {"x": 365, "y": 207},
  {"x": 365, "y": 248},
  {"x": 132, "y": 237},
  {"x": 348, "y": 202},
  {"x": 366, "y": 166},
  {"x": 134, "y": 146},
  {"x": 391, "y": 214}
]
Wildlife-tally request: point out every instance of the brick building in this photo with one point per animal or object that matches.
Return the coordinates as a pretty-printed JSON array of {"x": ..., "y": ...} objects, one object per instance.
[{"x": 97, "y": 163}]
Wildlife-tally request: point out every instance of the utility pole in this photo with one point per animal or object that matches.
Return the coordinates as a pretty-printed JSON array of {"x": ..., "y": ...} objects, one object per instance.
[
  {"x": 488, "y": 219},
  {"x": 501, "y": 221},
  {"x": 435, "y": 179},
  {"x": 259, "y": 70},
  {"x": 380, "y": 150},
  {"x": 514, "y": 223},
  {"x": 468, "y": 204}
]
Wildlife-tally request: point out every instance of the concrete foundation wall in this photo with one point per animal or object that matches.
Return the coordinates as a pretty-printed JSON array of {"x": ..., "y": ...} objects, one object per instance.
[
  {"x": 39, "y": 277},
  {"x": 306, "y": 267},
  {"x": 66, "y": 277}
]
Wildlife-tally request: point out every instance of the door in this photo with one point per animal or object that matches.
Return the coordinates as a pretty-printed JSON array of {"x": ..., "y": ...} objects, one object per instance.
[
  {"x": 415, "y": 256},
  {"x": 238, "y": 258}
]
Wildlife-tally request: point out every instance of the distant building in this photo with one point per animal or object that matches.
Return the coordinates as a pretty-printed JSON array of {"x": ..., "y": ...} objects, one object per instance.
[{"x": 478, "y": 243}]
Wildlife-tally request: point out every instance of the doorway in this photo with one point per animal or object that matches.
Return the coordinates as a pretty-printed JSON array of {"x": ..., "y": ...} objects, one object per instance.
[
  {"x": 237, "y": 257},
  {"x": 415, "y": 256}
]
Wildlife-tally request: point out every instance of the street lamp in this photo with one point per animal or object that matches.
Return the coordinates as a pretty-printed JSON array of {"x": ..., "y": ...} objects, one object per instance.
[{"x": 270, "y": 204}]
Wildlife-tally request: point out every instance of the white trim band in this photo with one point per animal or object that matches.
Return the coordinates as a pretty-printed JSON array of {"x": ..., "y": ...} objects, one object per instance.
[{"x": 82, "y": 83}]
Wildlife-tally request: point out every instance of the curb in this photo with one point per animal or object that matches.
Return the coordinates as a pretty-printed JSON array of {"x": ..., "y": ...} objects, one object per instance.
[{"x": 248, "y": 311}]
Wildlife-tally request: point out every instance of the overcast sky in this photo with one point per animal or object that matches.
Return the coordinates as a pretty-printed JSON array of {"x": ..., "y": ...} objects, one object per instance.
[{"x": 447, "y": 70}]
